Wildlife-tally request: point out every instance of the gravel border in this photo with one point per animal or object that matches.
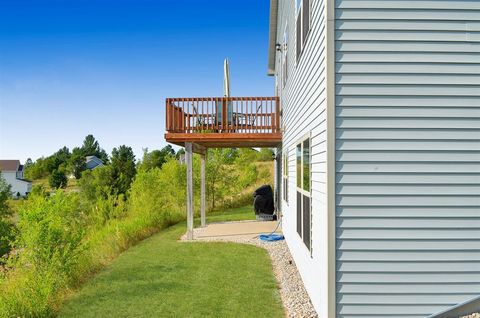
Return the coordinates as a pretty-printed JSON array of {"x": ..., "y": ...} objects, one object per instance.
[
  {"x": 295, "y": 299},
  {"x": 477, "y": 315}
]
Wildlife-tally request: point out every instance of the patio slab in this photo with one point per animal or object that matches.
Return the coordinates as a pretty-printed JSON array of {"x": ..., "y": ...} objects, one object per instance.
[{"x": 231, "y": 230}]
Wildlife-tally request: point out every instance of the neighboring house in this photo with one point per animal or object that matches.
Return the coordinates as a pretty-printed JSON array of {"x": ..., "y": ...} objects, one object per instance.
[
  {"x": 380, "y": 149},
  {"x": 378, "y": 152},
  {"x": 12, "y": 172},
  {"x": 92, "y": 162}
]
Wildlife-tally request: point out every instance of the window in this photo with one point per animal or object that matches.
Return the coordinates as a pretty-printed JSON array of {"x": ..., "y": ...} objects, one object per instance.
[
  {"x": 303, "y": 24},
  {"x": 285, "y": 177},
  {"x": 285, "y": 56},
  {"x": 304, "y": 166}
]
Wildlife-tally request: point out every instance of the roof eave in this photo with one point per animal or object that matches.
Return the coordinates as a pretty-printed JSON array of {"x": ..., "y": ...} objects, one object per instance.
[{"x": 272, "y": 37}]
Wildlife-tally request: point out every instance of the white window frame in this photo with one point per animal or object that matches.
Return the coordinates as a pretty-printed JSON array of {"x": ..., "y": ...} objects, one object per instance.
[
  {"x": 285, "y": 57},
  {"x": 298, "y": 7},
  {"x": 300, "y": 189},
  {"x": 285, "y": 176}
]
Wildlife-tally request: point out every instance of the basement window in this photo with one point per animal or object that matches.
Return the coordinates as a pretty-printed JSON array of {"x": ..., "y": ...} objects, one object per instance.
[{"x": 304, "y": 172}]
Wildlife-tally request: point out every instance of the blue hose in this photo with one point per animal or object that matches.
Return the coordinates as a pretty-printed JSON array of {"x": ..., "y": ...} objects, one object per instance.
[{"x": 271, "y": 237}]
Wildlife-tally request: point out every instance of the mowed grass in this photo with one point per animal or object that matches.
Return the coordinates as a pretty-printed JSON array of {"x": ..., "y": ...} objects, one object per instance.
[
  {"x": 161, "y": 277},
  {"x": 234, "y": 214}
]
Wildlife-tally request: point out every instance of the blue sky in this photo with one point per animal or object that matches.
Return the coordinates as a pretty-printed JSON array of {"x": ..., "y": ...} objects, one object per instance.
[{"x": 69, "y": 68}]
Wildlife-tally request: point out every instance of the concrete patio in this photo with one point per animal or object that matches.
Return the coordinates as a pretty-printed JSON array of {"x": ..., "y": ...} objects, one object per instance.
[{"x": 236, "y": 230}]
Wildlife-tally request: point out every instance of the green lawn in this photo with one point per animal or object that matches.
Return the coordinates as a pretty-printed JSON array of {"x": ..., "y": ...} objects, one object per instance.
[{"x": 161, "y": 277}]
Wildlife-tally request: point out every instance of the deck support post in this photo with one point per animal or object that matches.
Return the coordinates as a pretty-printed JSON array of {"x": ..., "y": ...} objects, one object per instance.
[
  {"x": 189, "y": 162},
  {"x": 203, "y": 159}
]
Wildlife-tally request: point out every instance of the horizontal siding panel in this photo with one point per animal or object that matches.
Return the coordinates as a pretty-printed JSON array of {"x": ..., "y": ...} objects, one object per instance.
[
  {"x": 412, "y": 223},
  {"x": 421, "y": 36},
  {"x": 413, "y": 256},
  {"x": 411, "y": 234},
  {"x": 414, "y": 299},
  {"x": 410, "y": 4},
  {"x": 408, "y": 200},
  {"x": 407, "y": 122},
  {"x": 408, "y": 212},
  {"x": 412, "y": 112},
  {"x": 399, "y": 156},
  {"x": 387, "y": 25},
  {"x": 397, "y": 189},
  {"x": 403, "y": 57},
  {"x": 406, "y": 245},
  {"x": 417, "y": 178},
  {"x": 410, "y": 289},
  {"x": 420, "y": 277},
  {"x": 410, "y": 134},
  {"x": 415, "y": 90},
  {"x": 467, "y": 145},
  {"x": 409, "y": 101},
  {"x": 394, "y": 14},
  {"x": 403, "y": 79},
  {"x": 380, "y": 167},
  {"x": 405, "y": 46},
  {"x": 407, "y": 68},
  {"x": 384, "y": 310}
]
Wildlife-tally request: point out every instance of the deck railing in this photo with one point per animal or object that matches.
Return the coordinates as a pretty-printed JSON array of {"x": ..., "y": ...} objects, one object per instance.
[{"x": 223, "y": 115}]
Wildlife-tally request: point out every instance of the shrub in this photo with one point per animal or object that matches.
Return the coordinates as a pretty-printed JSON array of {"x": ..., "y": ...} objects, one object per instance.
[
  {"x": 49, "y": 245},
  {"x": 58, "y": 179},
  {"x": 62, "y": 242},
  {"x": 6, "y": 226}
]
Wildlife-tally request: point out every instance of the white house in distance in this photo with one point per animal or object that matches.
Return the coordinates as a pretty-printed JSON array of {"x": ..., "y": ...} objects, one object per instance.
[
  {"x": 376, "y": 122},
  {"x": 12, "y": 172}
]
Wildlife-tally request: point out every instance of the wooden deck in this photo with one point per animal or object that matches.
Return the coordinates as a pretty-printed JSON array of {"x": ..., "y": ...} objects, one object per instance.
[{"x": 223, "y": 121}]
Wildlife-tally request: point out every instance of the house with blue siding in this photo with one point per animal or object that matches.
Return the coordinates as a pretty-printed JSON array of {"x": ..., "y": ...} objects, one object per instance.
[{"x": 380, "y": 156}]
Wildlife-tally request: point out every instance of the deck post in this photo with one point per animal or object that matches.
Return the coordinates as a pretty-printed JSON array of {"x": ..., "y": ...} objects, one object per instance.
[
  {"x": 189, "y": 162},
  {"x": 203, "y": 159}
]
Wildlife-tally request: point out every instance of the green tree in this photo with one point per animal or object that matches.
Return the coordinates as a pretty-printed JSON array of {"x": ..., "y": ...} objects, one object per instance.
[
  {"x": 265, "y": 154},
  {"x": 180, "y": 152},
  {"x": 156, "y": 158},
  {"x": 96, "y": 184},
  {"x": 91, "y": 147},
  {"x": 6, "y": 226},
  {"x": 28, "y": 163},
  {"x": 220, "y": 176},
  {"x": 58, "y": 179},
  {"x": 5, "y": 194},
  {"x": 77, "y": 163},
  {"x": 123, "y": 168}
]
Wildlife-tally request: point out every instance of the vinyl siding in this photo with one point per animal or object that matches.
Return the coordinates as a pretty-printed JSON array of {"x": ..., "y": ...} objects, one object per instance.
[
  {"x": 303, "y": 101},
  {"x": 407, "y": 156}
]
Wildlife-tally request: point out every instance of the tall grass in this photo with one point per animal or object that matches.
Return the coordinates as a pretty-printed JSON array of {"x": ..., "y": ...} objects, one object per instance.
[
  {"x": 61, "y": 243},
  {"x": 65, "y": 238}
]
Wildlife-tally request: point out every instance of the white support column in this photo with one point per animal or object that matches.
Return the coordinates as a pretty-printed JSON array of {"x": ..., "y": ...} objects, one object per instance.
[
  {"x": 189, "y": 162},
  {"x": 203, "y": 159}
]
